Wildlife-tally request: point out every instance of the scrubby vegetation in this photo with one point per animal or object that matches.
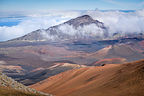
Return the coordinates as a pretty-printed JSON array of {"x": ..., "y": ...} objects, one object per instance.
[
  {"x": 5, "y": 91},
  {"x": 10, "y": 87}
]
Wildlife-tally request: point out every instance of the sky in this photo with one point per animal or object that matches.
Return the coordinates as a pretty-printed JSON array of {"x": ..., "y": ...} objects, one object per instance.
[
  {"x": 32, "y": 5},
  {"x": 19, "y": 17}
]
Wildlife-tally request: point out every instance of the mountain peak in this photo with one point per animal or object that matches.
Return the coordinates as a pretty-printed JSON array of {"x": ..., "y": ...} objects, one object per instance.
[
  {"x": 85, "y": 17},
  {"x": 81, "y": 20},
  {"x": 62, "y": 31}
]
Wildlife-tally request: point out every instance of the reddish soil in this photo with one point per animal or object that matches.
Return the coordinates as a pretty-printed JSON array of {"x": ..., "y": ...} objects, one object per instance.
[{"x": 109, "y": 80}]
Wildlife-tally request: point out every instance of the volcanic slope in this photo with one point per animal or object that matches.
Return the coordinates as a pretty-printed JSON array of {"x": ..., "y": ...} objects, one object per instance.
[
  {"x": 109, "y": 80},
  {"x": 40, "y": 74},
  {"x": 118, "y": 53}
]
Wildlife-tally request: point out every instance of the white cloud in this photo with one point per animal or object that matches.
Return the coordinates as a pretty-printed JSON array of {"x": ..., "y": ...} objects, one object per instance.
[
  {"x": 82, "y": 31},
  {"x": 28, "y": 25},
  {"x": 116, "y": 21},
  {"x": 122, "y": 22}
]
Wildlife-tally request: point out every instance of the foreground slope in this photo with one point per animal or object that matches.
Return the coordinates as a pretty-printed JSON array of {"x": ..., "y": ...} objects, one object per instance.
[
  {"x": 109, "y": 80},
  {"x": 9, "y": 87}
]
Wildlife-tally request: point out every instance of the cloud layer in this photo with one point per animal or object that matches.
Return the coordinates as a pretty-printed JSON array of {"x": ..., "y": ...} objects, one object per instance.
[
  {"x": 131, "y": 22},
  {"x": 28, "y": 25},
  {"x": 116, "y": 21}
]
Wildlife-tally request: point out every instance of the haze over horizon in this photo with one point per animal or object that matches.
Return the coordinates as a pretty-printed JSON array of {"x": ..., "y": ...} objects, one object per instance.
[{"x": 22, "y": 5}]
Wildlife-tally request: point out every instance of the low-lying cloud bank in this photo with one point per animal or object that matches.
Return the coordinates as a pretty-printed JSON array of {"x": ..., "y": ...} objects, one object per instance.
[
  {"x": 116, "y": 21},
  {"x": 131, "y": 22},
  {"x": 28, "y": 25}
]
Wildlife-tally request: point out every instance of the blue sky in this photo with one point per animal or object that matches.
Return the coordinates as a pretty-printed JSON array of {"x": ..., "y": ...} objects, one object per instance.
[{"x": 30, "y": 5}]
